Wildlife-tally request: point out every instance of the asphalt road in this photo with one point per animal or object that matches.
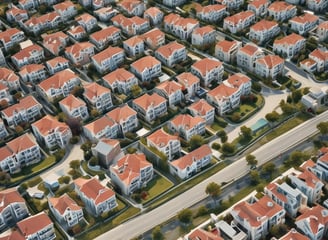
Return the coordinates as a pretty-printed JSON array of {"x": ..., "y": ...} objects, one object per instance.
[{"x": 271, "y": 150}]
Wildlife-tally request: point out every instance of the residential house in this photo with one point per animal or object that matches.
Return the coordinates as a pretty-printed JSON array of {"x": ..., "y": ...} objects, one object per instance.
[
  {"x": 33, "y": 73},
  {"x": 55, "y": 42},
  {"x": 240, "y": 81},
  {"x": 5, "y": 96},
  {"x": 108, "y": 59},
  {"x": 25, "y": 150},
  {"x": 269, "y": 66},
  {"x": 154, "y": 15},
  {"x": 281, "y": 11},
  {"x": 263, "y": 31},
  {"x": 102, "y": 127},
  {"x": 150, "y": 107},
  {"x": 309, "y": 184},
  {"x": 289, "y": 46},
  {"x": 105, "y": 37},
  {"x": 13, "y": 208},
  {"x": 31, "y": 54},
  {"x": 28, "y": 4},
  {"x": 200, "y": 233},
  {"x": 98, "y": 97},
  {"x": 203, "y": 36},
  {"x": 9, "y": 164},
  {"x": 259, "y": 7},
  {"x": 211, "y": 13},
  {"x": 315, "y": 100},
  {"x": 120, "y": 80},
  {"x": 313, "y": 222},
  {"x": 104, "y": 14},
  {"x": 204, "y": 110},
  {"x": 320, "y": 56},
  {"x": 308, "y": 65},
  {"x": 78, "y": 33},
  {"x": 131, "y": 26},
  {"x": 190, "y": 84},
  {"x": 97, "y": 198},
  {"x": 317, "y": 5},
  {"x": 171, "y": 53},
  {"x": 15, "y": 14},
  {"x": 3, "y": 130},
  {"x": 247, "y": 56},
  {"x": 125, "y": 117},
  {"x": 37, "y": 24},
  {"x": 27, "y": 110},
  {"x": 66, "y": 10},
  {"x": 96, "y": 4},
  {"x": 87, "y": 21},
  {"x": 132, "y": 7},
  {"x": 322, "y": 31},
  {"x": 134, "y": 46},
  {"x": 226, "y": 50},
  {"x": 131, "y": 172},
  {"x": 57, "y": 64},
  {"x": 106, "y": 150},
  {"x": 9, "y": 78},
  {"x": 146, "y": 68},
  {"x": 165, "y": 143},
  {"x": 291, "y": 199},
  {"x": 239, "y": 21},
  {"x": 52, "y": 133},
  {"x": 304, "y": 23},
  {"x": 11, "y": 37},
  {"x": 230, "y": 4},
  {"x": 173, "y": 3},
  {"x": 59, "y": 85},
  {"x": 224, "y": 98},
  {"x": 187, "y": 126},
  {"x": 74, "y": 107},
  {"x": 179, "y": 26},
  {"x": 172, "y": 91},
  {"x": 257, "y": 218},
  {"x": 80, "y": 53},
  {"x": 208, "y": 70},
  {"x": 154, "y": 38},
  {"x": 38, "y": 226},
  {"x": 49, "y": 2},
  {"x": 65, "y": 210},
  {"x": 293, "y": 234}
]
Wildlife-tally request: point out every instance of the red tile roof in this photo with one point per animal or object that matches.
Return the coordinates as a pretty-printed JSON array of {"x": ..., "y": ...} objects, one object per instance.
[
  {"x": 23, "y": 104},
  {"x": 10, "y": 196},
  {"x": 99, "y": 125},
  {"x": 222, "y": 91},
  {"x": 94, "y": 90},
  {"x": 319, "y": 54},
  {"x": 200, "y": 234},
  {"x": 63, "y": 5},
  {"x": 212, "y": 8},
  {"x": 294, "y": 235},
  {"x": 53, "y": 62},
  {"x": 206, "y": 65},
  {"x": 226, "y": 45},
  {"x": 146, "y": 100},
  {"x": 120, "y": 74},
  {"x": 76, "y": 49},
  {"x": 279, "y": 6},
  {"x": 6, "y": 36},
  {"x": 238, "y": 17},
  {"x": 238, "y": 79},
  {"x": 169, "y": 49},
  {"x": 271, "y": 61},
  {"x": 33, "y": 224},
  {"x": 161, "y": 138},
  {"x": 47, "y": 124},
  {"x": 145, "y": 62},
  {"x": 169, "y": 87},
  {"x": 13, "y": 235},
  {"x": 58, "y": 80},
  {"x": 309, "y": 178},
  {"x": 120, "y": 114},
  {"x": 201, "y": 107},
  {"x": 152, "y": 11},
  {"x": 71, "y": 102},
  {"x": 258, "y": 3},
  {"x": 249, "y": 49},
  {"x": 107, "y": 53},
  {"x": 133, "y": 41},
  {"x": 187, "y": 79},
  {"x": 305, "y": 18},
  {"x": 186, "y": 121},
  {"x": 31, "y": 68},
  {"x": 63, "y": 203},
  {"x": 26, "y": 52},
  {"x": 314, "y": 217},
  {"x": 8, "y": 75},
  {"x": 264, "y": 25},
  {"x": 203, "y": 30},
  {"x": 291, "y": 39},
  {"x": 104, "y": 33}
]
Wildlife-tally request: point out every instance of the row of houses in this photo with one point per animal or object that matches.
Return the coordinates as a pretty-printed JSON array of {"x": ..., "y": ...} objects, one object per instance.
[{"x": 297, "y": 199}]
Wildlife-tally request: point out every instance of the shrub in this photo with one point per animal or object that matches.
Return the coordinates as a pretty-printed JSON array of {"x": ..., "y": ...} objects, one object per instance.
[
  {"x": 228, "y": 148},
  {"x": 74, "y": 140},
  {"x": 216, "y": 146},
  {"x": 131, "y": 150}
]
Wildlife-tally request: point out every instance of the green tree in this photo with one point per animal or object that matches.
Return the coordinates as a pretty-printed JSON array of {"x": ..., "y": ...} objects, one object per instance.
[
  {"x": 268, "y": 168},
  {"x": 195, "y": 142},
  {"x": 85, "y": 147},
  {"x": 246, "y": 132},
  {"x": 136, "y": 90},
  {"x": 255, "y": 177},
  {"x": 157, "y": 234},
  {"x": 213, "y": 189},
  {"x": 323, "y": 128},
  {"x": 185, "y": 216},
  {"x": 278, "y": 230},
  {"x": 228, "y": 148},
  {"x": 297, "y": 95},
  {"x": 296, "y": 158},
  {"x": 272, "y": 117},
  {"x": 251, "y": 160},
  {"x": 74, "y": 164},
  {"x": 94, "y": 113}
]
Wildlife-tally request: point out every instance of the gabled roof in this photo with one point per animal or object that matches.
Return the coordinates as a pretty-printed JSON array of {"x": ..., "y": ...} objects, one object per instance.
[
  {"x": 71, "y": 102},
  {"x": 13, "y": 235},
  {"x": 63, "y": 5},
  {"x": 206, "y": 65},
  {"x": 133, "y": 41},
  {"x": 99, "y": 124},
  {"x": 161, "y": 138},
  {"x": 8, "y": 75},
  {"x": 76, "y": 30},
  {"x": 5, "y": 152},
  {"x": 129, "y": 167},
  {"x": 85, "y": 17},
  {"x": 201, "y": 107},
  {"x": 186, "y": 121},
  {"x": 153, "y": 35},
  {"x": 270, "y": 61},
  {"x": 76, "y": 49},
  {"x": 120, "y": 74},
  {"x": 291, "y": 39},
  {"x": 63, "y": 203},
  {"x": 8, "y": 197},
  {"x": 310, "y": 179},
  {"x": 26, "y": 52},
  {"x": 169, "y": 87},
  {"x": 153, "y": 12},
  {"x": 187, "y": 79},
  {"x": 226, "y": 45},
  {"x": 43, "y": 19},
  {"x": 48, "y": 124},
  {"x": 31, "y": 68},
  {"x": 264, "y": 25},
  {"x": 238, "y": 17},
  {"x": 6, "y": 36},
  {"x": 323, "y": 25},
  {"x": 177, "y": 20},
  {"x": 57, "y": 60},
  {"x": 250, "y": 49},
  {"x": 169, "y": 49},
  {"x": 314, "y": 218},
  {"x": 294, "y": 235},
  {"x": 279, "y": 6},
  {"x": 146, "y": 100},
  {"x": 92, "y": 189},
  {"x": 58, "y": 80},
  {"x": 222, "y": 92},
  {"x": 238, "y": 79},
  {"x": 33, "y": 224},
  {"x": 146, "y": 62},
  {"x": 104, "y": 33},
  {"x": 319, "y": 54},
  {"x": 305, "y": 18},
  {"x": 188, "y": 159},
  {"x": 203, "y": 30},
  {"x": 107, "y": 53},
  {"x": 211, "y": 8},
  {"x": 121, "y": 113},
  {"x": 94, "y": 90},
  {"x": 258, "y": 3},
  {"x": 129, "y": 5},
  {"x": 201, "y": 234},
  {"x": 23, "y": 104}
]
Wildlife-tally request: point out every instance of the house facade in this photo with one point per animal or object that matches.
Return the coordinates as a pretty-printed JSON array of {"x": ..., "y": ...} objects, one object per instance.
[
  {"x": 102, "y": 127},
  {"x": 281, "y": 11},
  {"x": 239, "y": 21},
  {"x": 179, "y": 26},
  {"x": 270, "y": 66},
  {"x": 247, "y": 56},
  {"x": 108, "y": 59},
  {"x": 208, "y": 70},
  {"x": 226, "y": 50},
  {"x": 98, "y": 97},
  {"x": 154, "y": 38},
  {"x": 146, "y": 68},
  {"x": 171, "y": 53},
  {"x": 190, "y": 84},
  {"x": 134, "y": 46},
  {"x": 80, "y": 53},
  {"x": 171, "y": 90},
  {"x": 104, "y": 37},
  {"x": 120, "y": 80},
  {"x": 203, "y": 36},
  {"x": 74, "y": 107},
  {"x": 31, "y": 54},
  {"x": 263, "y": 31},
  {"x": 289, "y": 46},
  {"x": 204, "y": 110},
  {"x": 304, "y": 23},
  {"x": 212, "y": 13}
]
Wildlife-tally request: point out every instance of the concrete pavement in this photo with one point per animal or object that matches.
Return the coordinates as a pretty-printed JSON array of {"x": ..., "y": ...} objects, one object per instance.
[{"x": 273, "y": 149}]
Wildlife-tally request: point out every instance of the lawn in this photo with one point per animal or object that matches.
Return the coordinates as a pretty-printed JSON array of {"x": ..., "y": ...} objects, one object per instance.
[
  {"x": 216, "y": 127},
  {"x": 156, "y": 187}
]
